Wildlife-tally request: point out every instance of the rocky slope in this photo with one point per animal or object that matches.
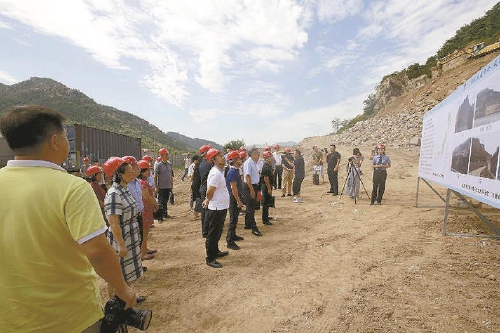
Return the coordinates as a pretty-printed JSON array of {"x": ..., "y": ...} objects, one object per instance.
[{"x": 402, "y": 106}]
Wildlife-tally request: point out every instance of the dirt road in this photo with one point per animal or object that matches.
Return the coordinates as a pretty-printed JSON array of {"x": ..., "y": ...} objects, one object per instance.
[{"x": 330, "y": 265}]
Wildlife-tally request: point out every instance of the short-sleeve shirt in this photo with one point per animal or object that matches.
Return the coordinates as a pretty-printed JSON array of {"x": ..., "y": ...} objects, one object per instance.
[
  {"x": 164, "y": 171},
  {"x": 277, "y": 158},
  {"x": 136, "y": 190},
  {"x": 381, "y": 159},
  {"x": 47, "y": 282},
  {"x": 251, "y": 168},
  {"x": 318, "y": 158},
  {"x": 220, "y": 199},
  {"x": 267, "y": 170},
  {"x": 332, "y": 159},
  {"x": 233, "y": 176}
]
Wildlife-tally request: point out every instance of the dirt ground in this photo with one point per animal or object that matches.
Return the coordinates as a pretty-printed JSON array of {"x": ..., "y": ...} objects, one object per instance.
[{"x": 330, "y": 265}]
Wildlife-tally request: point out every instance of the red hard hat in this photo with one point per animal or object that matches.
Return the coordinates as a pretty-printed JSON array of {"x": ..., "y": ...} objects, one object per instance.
[
  {"x": 129, "y": 159},
  {"x": 267, "y": 148},
  {"x": 288, "y": 150},
  {"x": 85, "y": 159},
  {"x": 147, "y": 158},
  {"x": 211, "y": 153},
  {"x": 111, "y": 165},
  {"x": 93, "y": 170},
  {"x": 381, "y": 146},
  {"x": 142, "y": 164},
  {"x": 158, "y": 159},
  {"x": 232, "y": 155},
  {"x": 277, "y": 146},
  {"x": 267, "y": 154},
  {"x": 163, "y": 151},
  {"x": 204, "y": 149},
  {"x": 243, "y": 154}
]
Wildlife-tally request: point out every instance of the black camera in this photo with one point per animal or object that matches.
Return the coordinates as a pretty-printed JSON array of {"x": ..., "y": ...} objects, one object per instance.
[
  {"x": 350, "y": 159},
  {"x": 325, "y": 150},
  {"x": 116, "y": 317}
]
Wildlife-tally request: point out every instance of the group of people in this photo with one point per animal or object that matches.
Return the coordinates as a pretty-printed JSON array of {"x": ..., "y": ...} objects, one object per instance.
[
  {"x": 224, "y": 183},
  {"x": 67, "y": 230}
]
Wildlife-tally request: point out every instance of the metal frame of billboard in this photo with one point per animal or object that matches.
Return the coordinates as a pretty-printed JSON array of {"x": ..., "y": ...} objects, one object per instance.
[{"x": 447, "y": 206}]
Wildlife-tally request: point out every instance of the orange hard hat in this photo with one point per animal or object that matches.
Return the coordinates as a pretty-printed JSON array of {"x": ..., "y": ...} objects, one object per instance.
[
  {"x": 93, "y": 170},
  {"x": 129, "y": 159},
  {"x": 142, "y": 164},
  {"x": 163, "y": 151},
  {"x": 243, "y": 154},
  {"x": 211, "y": 153},
  {"x": 267, "y": 148},
  {"x": 288, "y": 150},
  {"x": 232, "y": 155},
  {"x": 203, "y": 149},
  {"x": 111, "y": 165},
  {"x": 267, "y": 154},
  {"x": 147, "y": 158}
]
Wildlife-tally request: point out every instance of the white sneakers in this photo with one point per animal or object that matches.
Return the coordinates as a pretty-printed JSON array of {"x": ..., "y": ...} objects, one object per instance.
[{"x": 297, "y": 200}]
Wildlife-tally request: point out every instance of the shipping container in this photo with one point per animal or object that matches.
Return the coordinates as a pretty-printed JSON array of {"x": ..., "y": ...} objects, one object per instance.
[
  {"x": 98, "y": 145},
  {"x": 5, "y": 152}
]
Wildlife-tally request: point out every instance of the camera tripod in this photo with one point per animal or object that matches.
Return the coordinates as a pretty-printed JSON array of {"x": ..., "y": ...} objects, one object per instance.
[{"x": 353, "y": 172}]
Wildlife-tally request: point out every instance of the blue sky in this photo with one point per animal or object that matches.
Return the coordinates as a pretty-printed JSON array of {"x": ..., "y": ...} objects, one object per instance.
[{"x": 263, "y": 71}]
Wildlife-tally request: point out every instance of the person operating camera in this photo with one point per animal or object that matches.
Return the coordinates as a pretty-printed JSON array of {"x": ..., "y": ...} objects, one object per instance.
[
  {"x": 52, "y": 233},
  {"x": 353, "y": 174}
]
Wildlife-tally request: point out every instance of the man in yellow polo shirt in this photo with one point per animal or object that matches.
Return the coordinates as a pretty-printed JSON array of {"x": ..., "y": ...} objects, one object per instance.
[{"x": 52, "y": 239}]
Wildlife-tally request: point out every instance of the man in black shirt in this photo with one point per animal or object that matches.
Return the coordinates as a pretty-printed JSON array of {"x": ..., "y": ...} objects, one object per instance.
[
  {"x": 266, "y": 181},
  {"x": 333, "y": 162}
]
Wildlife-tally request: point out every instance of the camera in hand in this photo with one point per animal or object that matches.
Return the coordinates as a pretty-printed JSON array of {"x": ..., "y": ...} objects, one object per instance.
[
  {"x": 351, "y": 159},
  {"x": 116, "y": 317}
]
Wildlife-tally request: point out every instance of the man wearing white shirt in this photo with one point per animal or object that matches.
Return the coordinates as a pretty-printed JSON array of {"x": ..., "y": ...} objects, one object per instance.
[
  {"x": 250, "y": 188},
  {"x": 217, "y": 203},
  {"x": 278, "y": 169}
]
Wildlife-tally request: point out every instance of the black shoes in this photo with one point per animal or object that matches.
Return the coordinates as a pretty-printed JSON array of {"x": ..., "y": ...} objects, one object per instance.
[
  {"x": 238, "y": 238},
  {"x": 371, "y": 203},
  {"x": 247, "y": 227},
  {"x": 335, "y": 194},
  {"x": 289, "y": 195},
  {"x": 222, "y": 254},
  {"x": 329, "y": 192},
  {"x": 214, "y": 263},
  {"x": 282, "y": 195},
  {"x": 256, "y": 232},
  {"x": 168, "y": 216},
  {"x": 267, "y": 222},
  {"x": 144, "y": 269},
  {"x": 233, "y": 246},
  {"x": 140, "y": 299}
]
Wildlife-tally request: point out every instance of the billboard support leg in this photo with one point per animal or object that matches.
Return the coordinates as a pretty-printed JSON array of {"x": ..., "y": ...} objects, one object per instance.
[{"x": 433, "y": 190}]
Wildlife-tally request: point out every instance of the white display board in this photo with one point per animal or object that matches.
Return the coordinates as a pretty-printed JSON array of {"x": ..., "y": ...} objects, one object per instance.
[{"x": 461, "y": 138}]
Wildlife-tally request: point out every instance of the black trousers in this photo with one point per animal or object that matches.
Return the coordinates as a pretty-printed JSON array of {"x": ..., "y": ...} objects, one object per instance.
[
  {"x": 234, "y": 211},
  {"x": 379, "y": 178},
  {"x": 266, "y": 199},
  {"x": 296, "y": 185},
  {"x": 251, "y": 204},
  {"x": 141, "y": 224},
  {"x": 215, "y": 222},
  {"x": 163, "y": 197},
  {"x": 333, "y": 178},
  {"x": 278, "y": 173},
  {"x": 204, "y": 226}
]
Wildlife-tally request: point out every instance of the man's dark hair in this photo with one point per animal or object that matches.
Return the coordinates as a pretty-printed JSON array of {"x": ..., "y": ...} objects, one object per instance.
[
  {"x": 26, "y": 127},
  {"x": 195, "y": 158},
  {"x": 332, "y": 145},
  {"x": 298, "y": 151}
]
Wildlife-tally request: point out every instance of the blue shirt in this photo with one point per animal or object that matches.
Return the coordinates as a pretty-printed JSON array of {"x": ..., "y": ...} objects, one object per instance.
[
  {"x": 233, "y": 176},
  {"x": 381, "y": 159},
  {"x": 251, "y": 168},
  {"x": 134, "y": 187}
]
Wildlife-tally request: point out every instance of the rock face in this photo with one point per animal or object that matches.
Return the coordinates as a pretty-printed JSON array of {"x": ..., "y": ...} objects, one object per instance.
[{"x": 401, "y": 107}]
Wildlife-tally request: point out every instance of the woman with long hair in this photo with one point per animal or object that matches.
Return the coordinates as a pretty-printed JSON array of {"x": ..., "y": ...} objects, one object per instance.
[{"x": 150, "y": 206}]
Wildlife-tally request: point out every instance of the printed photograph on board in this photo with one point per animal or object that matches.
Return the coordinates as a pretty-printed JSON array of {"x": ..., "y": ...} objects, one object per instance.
[
  {"x": 465, "y": 116},
  {"x": 487, "y": 106},
  {"x": 484, "y": 157},
  {"x": 460, "y": 157}
]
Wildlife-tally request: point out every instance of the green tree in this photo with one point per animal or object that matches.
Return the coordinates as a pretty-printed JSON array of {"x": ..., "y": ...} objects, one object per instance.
[
  {"x": 369, "y": 104},
  {"x": 234, "y": 144},
  {"x": 338, "y": 123}
]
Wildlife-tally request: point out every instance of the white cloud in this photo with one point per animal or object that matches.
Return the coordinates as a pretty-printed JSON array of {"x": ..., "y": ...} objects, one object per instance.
[
  {"x": 7, "y": 78},
  {"x": 336, "y": 10},
  {"x": 4, "y": 25},
  {"x": 178, "y": 40}
]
